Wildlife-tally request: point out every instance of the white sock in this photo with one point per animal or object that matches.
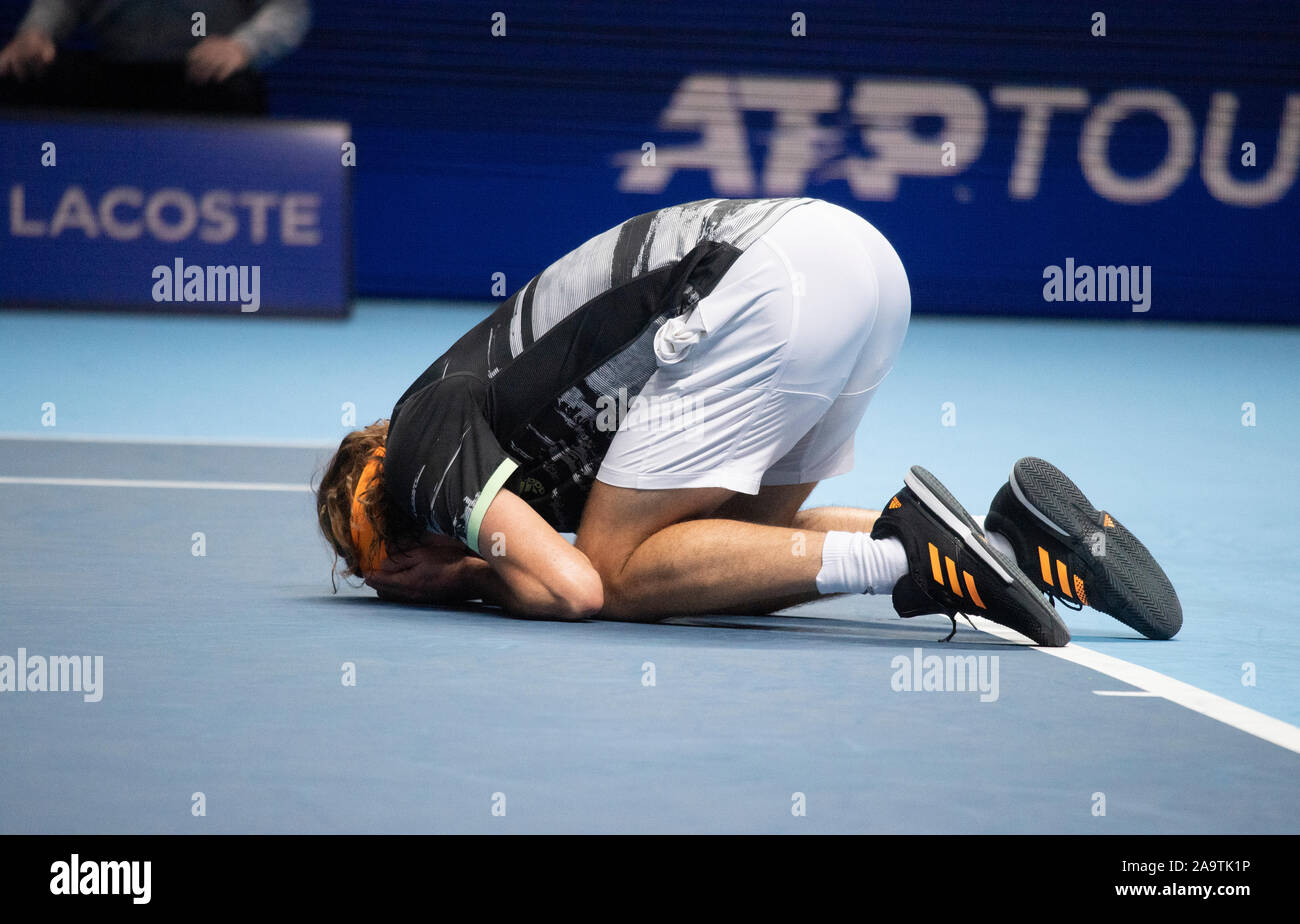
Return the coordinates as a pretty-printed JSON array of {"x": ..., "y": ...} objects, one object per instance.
[
  {"x": 854, "y": 563},
  {"x": 997, "y": 540}
]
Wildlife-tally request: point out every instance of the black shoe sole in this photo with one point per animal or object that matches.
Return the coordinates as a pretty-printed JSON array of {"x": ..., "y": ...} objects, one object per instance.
[
  {"x": 1125, "y": 582},
  {"x": 931, "y": 493}
]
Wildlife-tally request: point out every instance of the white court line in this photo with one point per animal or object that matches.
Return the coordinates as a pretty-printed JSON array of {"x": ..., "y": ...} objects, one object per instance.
[
  {"x": 1242, "y": 718},
  {"x": 1148, "y": 681},
  {"x": 152, "y": 483},
  {"x": 165, "y": 440}
]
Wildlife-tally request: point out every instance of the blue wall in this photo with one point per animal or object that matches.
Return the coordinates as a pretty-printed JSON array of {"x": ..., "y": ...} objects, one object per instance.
[{"x": 479, "y": 155}]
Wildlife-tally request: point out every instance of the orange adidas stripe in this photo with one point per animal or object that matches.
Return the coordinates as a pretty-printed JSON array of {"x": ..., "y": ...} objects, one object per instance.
[
  {"x": 1045, "y": 563},
  {"x": 1065, "y": 581},
  {"x": 974, "y": 595},
  {"x": 952, "y": 575}
]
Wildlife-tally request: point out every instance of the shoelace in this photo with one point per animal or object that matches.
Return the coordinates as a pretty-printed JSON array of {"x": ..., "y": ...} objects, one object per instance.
[
  {"x": 1054, "y": 595},
  {"x": 954, "y": 626}
]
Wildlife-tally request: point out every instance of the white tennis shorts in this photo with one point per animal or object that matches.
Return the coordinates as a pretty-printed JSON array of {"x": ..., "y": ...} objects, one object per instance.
[{"x": 766, "y": 381}]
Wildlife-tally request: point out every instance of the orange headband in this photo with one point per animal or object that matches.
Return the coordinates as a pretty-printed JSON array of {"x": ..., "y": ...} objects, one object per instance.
[{"x": 370, "y": 554}]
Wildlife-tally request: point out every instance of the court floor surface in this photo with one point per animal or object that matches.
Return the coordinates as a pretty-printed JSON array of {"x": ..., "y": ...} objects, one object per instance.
[{"x": 223, "y": 672}]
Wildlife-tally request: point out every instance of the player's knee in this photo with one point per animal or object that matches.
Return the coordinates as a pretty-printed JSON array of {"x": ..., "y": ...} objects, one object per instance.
[{"x": 623, "y": 603}]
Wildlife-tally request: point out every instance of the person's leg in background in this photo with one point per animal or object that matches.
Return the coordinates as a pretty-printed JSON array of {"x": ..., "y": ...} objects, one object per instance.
[
  {"x": 80, "y": 79},
  {"x": 169, "y": 87},
  {"x": 75, "y": 79},
  {"x": 243, "y": 93}
]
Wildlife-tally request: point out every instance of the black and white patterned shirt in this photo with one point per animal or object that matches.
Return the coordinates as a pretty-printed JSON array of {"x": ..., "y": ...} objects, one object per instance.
[{"x": 514, "y": 403}]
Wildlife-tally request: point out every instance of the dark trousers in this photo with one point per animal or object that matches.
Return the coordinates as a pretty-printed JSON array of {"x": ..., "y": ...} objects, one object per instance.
[{"x": 83, "y": 80}]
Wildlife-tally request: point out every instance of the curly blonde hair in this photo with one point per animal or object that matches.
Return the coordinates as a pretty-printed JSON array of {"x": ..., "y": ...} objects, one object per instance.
[{"x": 334, "y": 500}]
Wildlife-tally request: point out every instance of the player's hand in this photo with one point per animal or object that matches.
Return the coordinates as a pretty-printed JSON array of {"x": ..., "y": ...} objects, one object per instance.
[
  {"x": 215, "y": 58},
  {"x": 439, "y": 571},
  {"x": 30, "y": 52}
]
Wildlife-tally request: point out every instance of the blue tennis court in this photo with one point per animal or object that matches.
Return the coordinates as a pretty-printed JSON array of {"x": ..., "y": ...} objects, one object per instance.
[{"x": 131, "y": 444}]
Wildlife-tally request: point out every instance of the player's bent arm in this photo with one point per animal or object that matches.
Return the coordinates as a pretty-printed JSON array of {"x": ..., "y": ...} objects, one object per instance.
[{"x": 536, "y": 571}]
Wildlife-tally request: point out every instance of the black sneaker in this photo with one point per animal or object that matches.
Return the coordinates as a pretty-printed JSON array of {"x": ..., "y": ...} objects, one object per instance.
[
  {"x": 952, "y": 569},
  {"x": 1081, "y": 555}
]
